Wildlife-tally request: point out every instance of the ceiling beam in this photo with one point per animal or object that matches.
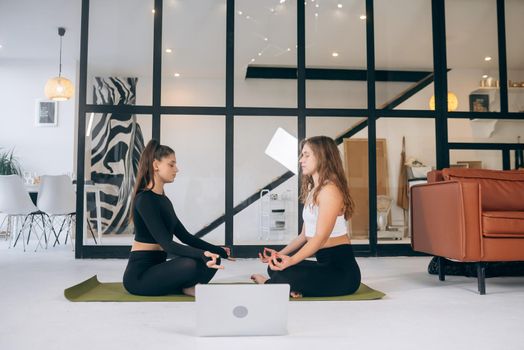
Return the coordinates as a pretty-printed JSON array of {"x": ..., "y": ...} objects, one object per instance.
[{"x": 269, "y": 72}]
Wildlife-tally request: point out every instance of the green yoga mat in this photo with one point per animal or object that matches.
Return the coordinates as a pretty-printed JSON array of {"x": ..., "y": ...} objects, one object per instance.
[{"x": 93, "y": 290}]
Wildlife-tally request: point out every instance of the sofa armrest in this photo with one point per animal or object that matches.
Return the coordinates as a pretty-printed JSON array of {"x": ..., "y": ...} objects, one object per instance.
[
  {"x": 445, "y": 219},
  {"x": 435, "y": 176}
]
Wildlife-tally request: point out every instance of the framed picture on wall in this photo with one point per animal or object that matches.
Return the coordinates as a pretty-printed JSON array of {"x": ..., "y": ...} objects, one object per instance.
[
  {"x": 478, "y": 103},
  {"x": 46, "y": 113}
]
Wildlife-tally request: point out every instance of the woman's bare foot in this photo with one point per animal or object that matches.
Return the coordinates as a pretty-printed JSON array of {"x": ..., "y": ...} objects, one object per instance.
[
  {"x": 295, "y": 295},
  {"x": 259, "y": 279},
  {"x": 189, "y": 291}
]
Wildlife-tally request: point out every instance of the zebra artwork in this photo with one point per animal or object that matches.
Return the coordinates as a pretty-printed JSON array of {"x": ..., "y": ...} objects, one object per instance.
[{"x": 116, "y": 144}]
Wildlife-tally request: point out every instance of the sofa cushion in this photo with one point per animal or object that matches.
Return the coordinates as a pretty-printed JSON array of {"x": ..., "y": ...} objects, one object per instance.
[
  {"x": 500, "y": 190},
  {"x": 503, "y": 224}
]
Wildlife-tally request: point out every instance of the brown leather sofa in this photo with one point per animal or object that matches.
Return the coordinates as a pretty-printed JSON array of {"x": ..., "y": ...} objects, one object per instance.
[{"x": 469, "y": 215}]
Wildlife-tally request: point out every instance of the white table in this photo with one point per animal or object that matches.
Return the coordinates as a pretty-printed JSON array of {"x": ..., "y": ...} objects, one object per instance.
[{"x": 91, "y": 188}]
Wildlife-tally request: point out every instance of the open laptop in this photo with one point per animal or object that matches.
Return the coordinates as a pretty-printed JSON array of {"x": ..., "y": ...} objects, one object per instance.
[{"x": 241, "y": 309}]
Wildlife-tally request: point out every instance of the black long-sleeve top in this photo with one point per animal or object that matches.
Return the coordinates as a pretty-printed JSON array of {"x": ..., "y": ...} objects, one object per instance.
[{"x": 156, "y": 222}]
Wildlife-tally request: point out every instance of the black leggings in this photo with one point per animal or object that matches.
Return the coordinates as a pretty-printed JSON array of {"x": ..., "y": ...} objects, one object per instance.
[
  {"x": 148, "y": 273},
  {"x": 335, "y": 272}
]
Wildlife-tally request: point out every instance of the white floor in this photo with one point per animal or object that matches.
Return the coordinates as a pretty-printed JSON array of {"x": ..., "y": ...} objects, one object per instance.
[{"x": 418, "y": 311}]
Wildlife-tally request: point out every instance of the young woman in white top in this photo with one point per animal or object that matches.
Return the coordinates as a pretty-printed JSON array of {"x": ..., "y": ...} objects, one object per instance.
[{"x": 327, "y": 207}]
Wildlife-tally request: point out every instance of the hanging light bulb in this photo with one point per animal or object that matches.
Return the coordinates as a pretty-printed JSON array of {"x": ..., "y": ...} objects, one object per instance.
[
  {"x": 452, "y": 102},
  {"x": 59, "y": 88}
]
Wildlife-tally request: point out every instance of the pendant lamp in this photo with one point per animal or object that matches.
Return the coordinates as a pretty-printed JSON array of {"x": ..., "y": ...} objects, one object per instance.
[{"x": 59, "y": 88}]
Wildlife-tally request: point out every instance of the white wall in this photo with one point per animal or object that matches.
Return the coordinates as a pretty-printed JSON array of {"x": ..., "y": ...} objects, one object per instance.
[{"x": 45, "y": 150}]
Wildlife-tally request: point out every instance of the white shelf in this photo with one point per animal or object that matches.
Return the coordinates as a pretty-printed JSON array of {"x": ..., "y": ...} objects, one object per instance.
[{"x": 510, "y": 89}]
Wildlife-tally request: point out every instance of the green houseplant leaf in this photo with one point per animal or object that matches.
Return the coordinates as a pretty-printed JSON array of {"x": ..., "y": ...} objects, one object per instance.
[{"x": 9, "y": 164}]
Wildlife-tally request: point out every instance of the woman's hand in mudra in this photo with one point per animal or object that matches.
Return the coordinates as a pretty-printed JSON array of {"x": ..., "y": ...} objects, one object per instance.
[
  {"x": 228, "y": 252},
  {"x": 212, "y": 263},
  {"x": 279, "y": 262},
  {"x": 266, "y": 255}
]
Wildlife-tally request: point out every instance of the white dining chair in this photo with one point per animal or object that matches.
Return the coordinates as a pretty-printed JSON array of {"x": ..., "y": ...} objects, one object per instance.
[
  {"x": 15, "y": 202},
  {"x": 57, "y": 199}
]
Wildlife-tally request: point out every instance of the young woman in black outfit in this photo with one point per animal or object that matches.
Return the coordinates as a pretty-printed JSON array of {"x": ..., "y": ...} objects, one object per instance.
[
  {"x": 327, "y": 207},
  {"x": 148, "y": 271}
]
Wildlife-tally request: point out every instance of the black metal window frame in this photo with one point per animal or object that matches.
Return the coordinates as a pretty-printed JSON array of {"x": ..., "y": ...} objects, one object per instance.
[{"x": 301, "y": 112}]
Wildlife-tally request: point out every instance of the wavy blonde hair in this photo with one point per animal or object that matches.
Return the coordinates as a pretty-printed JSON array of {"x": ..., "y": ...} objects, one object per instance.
[{"x": 330, "y": 170}]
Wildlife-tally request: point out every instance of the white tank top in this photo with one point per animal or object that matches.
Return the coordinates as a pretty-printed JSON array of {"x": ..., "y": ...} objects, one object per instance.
[{"x": 310, "y": 217}]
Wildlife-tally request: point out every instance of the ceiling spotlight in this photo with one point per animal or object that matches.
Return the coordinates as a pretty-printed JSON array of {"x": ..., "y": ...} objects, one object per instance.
[
  {"x": 487, "y": 58},
  {"x": 248, "y": 17},
  {"x": 317, "y": 5},
  {"x": 316, "y": 14},
  {"x": 288, "y": 49},
  {"x": 153, "y": 11},
  {"x": 266, "y": 39},
  {"x": 0, "y": 46},
  {"x": 362, "y": 16},
  {"x": 282, "y": 1},
  {"x": 272, "y": 10},
  {"x": 177, "y": 75},
  {"x": 169, "y": 50},
  {"x": 339, "y": 6},
  {"x": 260, "y": 53},
  {"x": 240, "y": 13},
  {"x": 485, "y": 76},
  {"x": 334, "y": 54}
]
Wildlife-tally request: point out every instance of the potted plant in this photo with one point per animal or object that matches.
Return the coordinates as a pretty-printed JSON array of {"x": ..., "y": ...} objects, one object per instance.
[{"x": 9, "y": 164}]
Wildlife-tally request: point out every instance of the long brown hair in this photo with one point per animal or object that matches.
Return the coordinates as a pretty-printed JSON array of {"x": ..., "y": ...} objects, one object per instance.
[
  {"x": 329, "y": 168},
  {"x": 146, "y": 174}
]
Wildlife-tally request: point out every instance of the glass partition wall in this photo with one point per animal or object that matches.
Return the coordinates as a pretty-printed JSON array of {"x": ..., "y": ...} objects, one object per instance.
[{"x": 402, "y": 86}]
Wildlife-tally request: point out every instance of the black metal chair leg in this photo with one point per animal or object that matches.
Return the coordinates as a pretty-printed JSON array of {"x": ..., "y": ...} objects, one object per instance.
[
  {"x": 481, "y": 278},
  {"x": 39, "y": 243},
  {"x": 30, "y": 228},
  {"x": 65, "y": 242},
  {"x": 72, "y": 220},
  {"x": 51, "y": 224},
  {"x": 20, "y": 232},
  {"x": 441, "y": 268},
  {"x": 59, "y": 233},
  {"x": 91, "y": 230},
  {"x": 43, "y": 224},
  {"x": 88, "y": 226}
]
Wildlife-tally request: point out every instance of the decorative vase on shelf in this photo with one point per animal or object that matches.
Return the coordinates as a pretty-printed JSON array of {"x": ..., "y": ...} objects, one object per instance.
[{"x": 383, "y": 208}]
